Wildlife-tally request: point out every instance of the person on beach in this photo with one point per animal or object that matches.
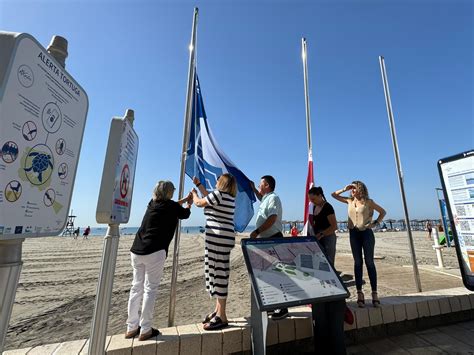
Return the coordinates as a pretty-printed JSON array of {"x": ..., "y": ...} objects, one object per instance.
[
  {"x": 323, "y": 222},
  {"x": 360, "y": 223},
  {"x": 219, "y": 206},
  {"x": 429, "y": 229},
  {"x": 86, "y": 232},
  {"x": 268, "y": 223},
  {"x": 76, "y": 232},
  {"x": 294, "y": 231},
  {"x": 324, "y": 225},
  {"x": 148, "y": 253}
]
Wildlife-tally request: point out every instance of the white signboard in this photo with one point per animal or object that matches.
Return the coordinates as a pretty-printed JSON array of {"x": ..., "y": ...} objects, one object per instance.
[
  {"x": 42, "y": 117},
  {"x": 289, "y": 272},
  {"x": 457, "y": 175},
  {"x": 115, "y": 197}
]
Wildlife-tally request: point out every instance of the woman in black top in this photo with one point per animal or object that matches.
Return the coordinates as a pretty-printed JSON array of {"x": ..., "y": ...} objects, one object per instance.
[
  {"x": 324, "y": 224},
  {"x": 148, "y": 254},
  {"x": 323, "y": 221}
]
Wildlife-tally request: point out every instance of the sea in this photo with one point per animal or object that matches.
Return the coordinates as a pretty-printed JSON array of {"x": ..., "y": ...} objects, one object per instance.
[
  {"x": 101, "y": 231},
  {"x": 342, "y": 227}
]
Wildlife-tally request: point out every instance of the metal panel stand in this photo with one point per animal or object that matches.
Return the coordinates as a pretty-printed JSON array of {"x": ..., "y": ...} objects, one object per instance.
[
  {"x": 259, "y": 324},
  {"x": 104, "y": 291},
  {"x": 10, "y": 269},
  {"x": 328, "y": 328}
]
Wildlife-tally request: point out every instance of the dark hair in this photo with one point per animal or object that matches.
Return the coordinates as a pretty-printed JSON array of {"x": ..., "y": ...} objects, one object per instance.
[
  {"x": 270, "y": 181},
  {"x": 317, "y": 190}
]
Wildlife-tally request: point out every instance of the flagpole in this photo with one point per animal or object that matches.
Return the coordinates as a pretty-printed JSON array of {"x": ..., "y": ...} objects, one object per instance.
[
  {"x": 310, "y": 178},
  {"x": 187, "y": 121},
  {"x": 399, "y": 169},
  {"x": 306, "y": 94}
]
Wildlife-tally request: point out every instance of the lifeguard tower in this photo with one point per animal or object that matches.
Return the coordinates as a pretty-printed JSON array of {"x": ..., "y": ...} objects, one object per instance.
[{"x": 69, "y": 230}]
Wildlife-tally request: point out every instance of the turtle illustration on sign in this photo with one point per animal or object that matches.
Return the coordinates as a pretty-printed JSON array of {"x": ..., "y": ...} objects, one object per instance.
[{"x": 39, "y": 164}]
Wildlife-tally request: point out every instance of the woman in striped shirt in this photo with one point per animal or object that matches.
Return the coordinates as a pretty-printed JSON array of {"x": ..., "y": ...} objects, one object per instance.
[{"x": 219, "y": 206}]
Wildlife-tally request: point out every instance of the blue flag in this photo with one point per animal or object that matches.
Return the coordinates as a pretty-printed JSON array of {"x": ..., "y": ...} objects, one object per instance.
[{"x": 207, "y": 161}]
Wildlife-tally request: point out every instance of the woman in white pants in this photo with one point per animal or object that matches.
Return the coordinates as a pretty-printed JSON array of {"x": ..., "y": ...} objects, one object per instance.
[{"x": 148, "y": 254}]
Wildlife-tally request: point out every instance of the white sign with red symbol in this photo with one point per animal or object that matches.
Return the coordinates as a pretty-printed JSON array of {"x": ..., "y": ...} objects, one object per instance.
[
  {"x": 124, "y": 181},
  {"x": 42, "y": 118},
  {"x": 115, "y": 196}
]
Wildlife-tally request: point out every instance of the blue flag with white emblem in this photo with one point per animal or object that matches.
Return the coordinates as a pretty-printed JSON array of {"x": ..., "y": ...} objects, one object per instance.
[{"x": 207, "y": 161}]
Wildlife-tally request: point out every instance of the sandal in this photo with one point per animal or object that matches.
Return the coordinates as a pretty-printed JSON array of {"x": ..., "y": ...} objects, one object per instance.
[
  {"x": 215, "y": 324},
  {"x": 360, "y": 299},
  {"x": 375, "y": 299},
  {"x": 209, "y": 317}
]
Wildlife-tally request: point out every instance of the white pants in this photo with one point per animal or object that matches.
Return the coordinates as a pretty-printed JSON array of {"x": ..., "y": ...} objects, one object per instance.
[{"x": 147, "y": 272}]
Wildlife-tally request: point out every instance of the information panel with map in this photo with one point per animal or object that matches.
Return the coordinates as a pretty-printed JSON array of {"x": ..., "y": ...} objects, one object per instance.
[
  {"x": 289, "y": 272},
  {"x": 457, "y": 178}
]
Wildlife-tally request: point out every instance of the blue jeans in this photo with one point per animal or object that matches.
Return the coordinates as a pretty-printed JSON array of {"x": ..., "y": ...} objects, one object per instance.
[
  {"x": 328, "y": 242},
  {"x": 363, "y": 240}
]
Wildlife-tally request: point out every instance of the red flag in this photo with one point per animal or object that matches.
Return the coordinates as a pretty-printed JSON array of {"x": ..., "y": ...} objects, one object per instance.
[{"x": 308, "y": 206}]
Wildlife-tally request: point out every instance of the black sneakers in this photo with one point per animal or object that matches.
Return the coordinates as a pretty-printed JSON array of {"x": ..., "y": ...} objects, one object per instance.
[{"x": 280, "y": 313}]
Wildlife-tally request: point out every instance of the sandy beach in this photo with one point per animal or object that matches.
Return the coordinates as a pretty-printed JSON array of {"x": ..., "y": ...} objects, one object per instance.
[{"x": 55, "y": 297}]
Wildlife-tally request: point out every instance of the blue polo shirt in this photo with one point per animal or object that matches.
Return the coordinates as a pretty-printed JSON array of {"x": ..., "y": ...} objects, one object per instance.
[{"x": 269, "y": 206}]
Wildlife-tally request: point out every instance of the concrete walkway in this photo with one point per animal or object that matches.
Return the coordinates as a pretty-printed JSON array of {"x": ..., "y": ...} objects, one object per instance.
[
  {"x": 453, "y": 339},
  {"x": 396, "y": 280}
]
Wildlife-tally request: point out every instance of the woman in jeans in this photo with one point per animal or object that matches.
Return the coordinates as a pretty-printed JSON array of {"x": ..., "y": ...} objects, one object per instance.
[
  {"x": 323, "y": 222},
  {"x": 148, "y": 254},
  {"x": 360, "y": 222}
]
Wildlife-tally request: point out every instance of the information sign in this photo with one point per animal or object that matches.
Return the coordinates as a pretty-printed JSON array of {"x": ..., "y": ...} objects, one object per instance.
[
  {"x": 288, "y": 272},
  {"x": 42, "y": 118},
  {"x": 457, "y": 179},
  {"x": 115, "y": 197}
]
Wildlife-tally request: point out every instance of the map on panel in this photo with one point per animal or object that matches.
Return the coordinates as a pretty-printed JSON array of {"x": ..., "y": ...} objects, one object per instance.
[{"x": 290, "y": 270}]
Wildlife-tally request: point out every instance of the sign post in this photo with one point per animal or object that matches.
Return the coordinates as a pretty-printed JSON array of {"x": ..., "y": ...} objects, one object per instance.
[
  {"x": 444, "y": 216},
  {"x": 287, "y": 272},
  {"x": 43, "y": 113},
  {"x": 113, "y": 208}
]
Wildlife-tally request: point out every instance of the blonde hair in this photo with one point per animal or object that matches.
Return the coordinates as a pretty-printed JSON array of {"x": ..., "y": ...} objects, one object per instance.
[
  {"x": 227, "y": 183},
  {"x": 362, "y": 189},
  {"x": 163, "y": 191}
]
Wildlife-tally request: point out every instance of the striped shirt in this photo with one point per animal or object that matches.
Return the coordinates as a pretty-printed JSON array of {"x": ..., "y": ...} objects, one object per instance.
[
  {"x": 219, "y": 214},
  {"x": 220, "y": 239}
]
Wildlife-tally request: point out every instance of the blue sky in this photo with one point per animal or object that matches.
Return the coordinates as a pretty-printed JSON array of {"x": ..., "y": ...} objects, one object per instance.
[{"x": 134, "y": 54}]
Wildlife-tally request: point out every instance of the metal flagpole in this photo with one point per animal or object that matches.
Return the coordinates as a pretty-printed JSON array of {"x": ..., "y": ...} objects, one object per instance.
[
  {"x": 304, "y": 55},
  {"x": 187, "y": 122},
  {"x": 399, "y": 170},
  {"x": 309, "y": 179}
]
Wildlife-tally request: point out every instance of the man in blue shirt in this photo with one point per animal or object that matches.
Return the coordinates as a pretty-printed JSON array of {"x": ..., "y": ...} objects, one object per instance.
[
  {"x": 268, "y": 221},
  {"x": 270, "y": 212}
]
